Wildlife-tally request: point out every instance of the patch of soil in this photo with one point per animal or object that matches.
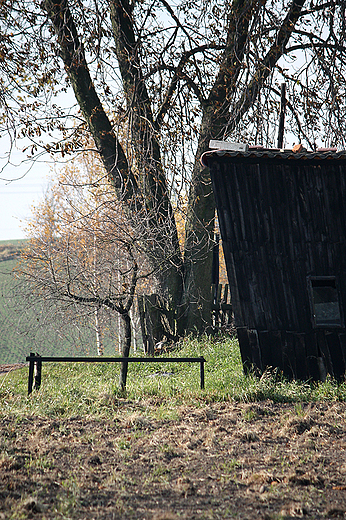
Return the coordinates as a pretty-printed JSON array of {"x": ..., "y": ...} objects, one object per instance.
[
  {"x": 259, "y": 461},
  {"x": 5, "y": 369}
]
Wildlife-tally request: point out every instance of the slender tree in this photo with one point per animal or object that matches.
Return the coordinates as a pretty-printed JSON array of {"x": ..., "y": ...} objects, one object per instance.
[
  {"x": 82, "y": 255},
  {"x": 154, "y": 81}
]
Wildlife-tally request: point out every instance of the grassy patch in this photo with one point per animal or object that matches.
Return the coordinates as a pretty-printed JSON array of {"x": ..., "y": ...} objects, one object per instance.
[{"x": 91, "y": 389}]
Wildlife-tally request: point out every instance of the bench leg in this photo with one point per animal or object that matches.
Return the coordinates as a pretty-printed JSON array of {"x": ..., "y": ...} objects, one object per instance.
[
  {"x": 37, "y": 376},
  {"x": 31, "y": 374},
  {"x": 202, "y": 374}
]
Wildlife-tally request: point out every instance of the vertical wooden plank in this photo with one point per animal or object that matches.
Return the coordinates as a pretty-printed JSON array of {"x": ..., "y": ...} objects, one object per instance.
[
  {"x": 300, "y": 356},
  {"x": 255, "y": 351},
  {"x": 288, "y": 358},
  {"x": 225, "y": 294},
  {"x": 216, "y": 261},
  {"x": 213, "y": 293},
  {"x": 37, "y": 373},
  {"x": 245, "y": 349},
  {"x": 218, "y": 294},
  {"x": 336, "y": 356},
  {"x": 312, "y": 355},
  {"x": 142, "y": 320},
  {"x": 149, "y": 315},
  {"x": 264, "y": 338},
  {"x": 237, "y": 303},
  {"x": 151, "y": 306},
  {"x": 324, "y": 349},
  {"x": 223, "y": 306},
  {"x": 277, "y": 348}
]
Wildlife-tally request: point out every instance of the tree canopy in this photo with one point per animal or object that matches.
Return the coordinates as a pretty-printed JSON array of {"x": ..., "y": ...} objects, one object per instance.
[{"x": 153, "y": 82}]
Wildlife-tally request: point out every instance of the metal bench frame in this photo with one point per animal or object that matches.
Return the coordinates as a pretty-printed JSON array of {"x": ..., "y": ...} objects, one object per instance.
[{"x": 35, "y": 364}]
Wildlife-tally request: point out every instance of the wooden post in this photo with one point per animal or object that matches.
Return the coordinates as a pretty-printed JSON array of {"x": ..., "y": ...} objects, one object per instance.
[
  {"x": 215, "y": 264},
  {"x": 148, "y": 315},
  {"x": 282, "y": 115},
  {"x": 140, "y": 300},
  {"x": 31, "y": 374}
]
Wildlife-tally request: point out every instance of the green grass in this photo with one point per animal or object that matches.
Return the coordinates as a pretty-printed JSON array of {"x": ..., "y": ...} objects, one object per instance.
[{"x": 92, "y": 389}]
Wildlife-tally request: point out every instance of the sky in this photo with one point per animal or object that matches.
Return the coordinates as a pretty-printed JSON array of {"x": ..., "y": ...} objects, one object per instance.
[
  {"x": 18, "y": 196},
  {"x": 23, "y": 183},
  {"x": 20, "y": 189}
]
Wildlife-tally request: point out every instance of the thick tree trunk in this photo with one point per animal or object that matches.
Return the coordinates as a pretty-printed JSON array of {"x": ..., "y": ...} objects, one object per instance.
[
  {"x": 200, "y": 223},
  {"x": 215, "y": 121},
  {"x": 196, "y": 298},
  {"x": 184, "y": 285}
]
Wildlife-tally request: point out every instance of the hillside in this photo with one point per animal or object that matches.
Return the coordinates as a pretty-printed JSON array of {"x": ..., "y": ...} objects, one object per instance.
[
  {"x": 12, "y": 345},
  {"x": 33, "y": 327},
  {"x": 10, "y": 249}
]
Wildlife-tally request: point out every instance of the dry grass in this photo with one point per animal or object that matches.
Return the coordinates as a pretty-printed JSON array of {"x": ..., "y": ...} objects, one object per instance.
[
  {"x": 242, "y": 449},
  {"x": 223, "y": 460}
]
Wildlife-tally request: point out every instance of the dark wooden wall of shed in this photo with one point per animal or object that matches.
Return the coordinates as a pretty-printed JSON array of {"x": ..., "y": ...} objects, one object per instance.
[{"x": 282, "y": 220}]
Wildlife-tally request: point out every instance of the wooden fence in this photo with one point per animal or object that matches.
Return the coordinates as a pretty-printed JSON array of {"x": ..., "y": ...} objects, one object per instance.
[
  {"x": 159, "y": 324},
  {"x": 221, "y": 307}
]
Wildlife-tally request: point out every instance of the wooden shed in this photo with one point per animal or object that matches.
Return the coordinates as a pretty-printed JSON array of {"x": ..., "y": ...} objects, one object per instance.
[{"x": 282, "y": 218}]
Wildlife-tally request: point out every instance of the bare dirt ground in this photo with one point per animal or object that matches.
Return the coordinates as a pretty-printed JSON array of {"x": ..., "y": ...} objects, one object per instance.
[
  {"x": 256, "y": 461},
  {"x": 5, "y": 369}
]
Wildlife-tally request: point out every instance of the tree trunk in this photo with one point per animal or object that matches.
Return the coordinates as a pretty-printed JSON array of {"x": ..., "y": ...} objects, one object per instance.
[
  {"x": 199, "y": 232},
  {"x": 186, "y": 284},
  {"x": 99, "y": 343},
  {"x": 198, "y": 254},
  {"x": 126, "y": 322}
]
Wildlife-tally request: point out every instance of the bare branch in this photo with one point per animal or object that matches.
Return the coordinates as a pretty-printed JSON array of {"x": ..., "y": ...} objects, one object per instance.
[
  {"x": 178, "y": 74},
  {"x": 265, "y": 68}
]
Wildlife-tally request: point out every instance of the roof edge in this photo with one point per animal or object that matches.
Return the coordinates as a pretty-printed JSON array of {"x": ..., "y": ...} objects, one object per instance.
[{"x": 272, "y": 154}]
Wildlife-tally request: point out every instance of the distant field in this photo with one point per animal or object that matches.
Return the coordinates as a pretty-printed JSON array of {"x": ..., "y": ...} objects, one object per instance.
[
  {"x": 12, "y": 346},
  {"x": 23, "y": 330},
  {"x": 10, "y": 249}
]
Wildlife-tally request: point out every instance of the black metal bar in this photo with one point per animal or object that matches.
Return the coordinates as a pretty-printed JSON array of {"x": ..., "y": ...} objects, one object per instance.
[
  {"x": 31, "y": 371},
  {"x": 102, "y": 359},
  {"x": 202, "y": 373},
  {"x": 38, "y": 360}
]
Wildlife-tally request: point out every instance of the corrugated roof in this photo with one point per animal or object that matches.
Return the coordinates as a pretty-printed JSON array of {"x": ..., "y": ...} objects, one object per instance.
[{"x": 273, "y": 153}]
